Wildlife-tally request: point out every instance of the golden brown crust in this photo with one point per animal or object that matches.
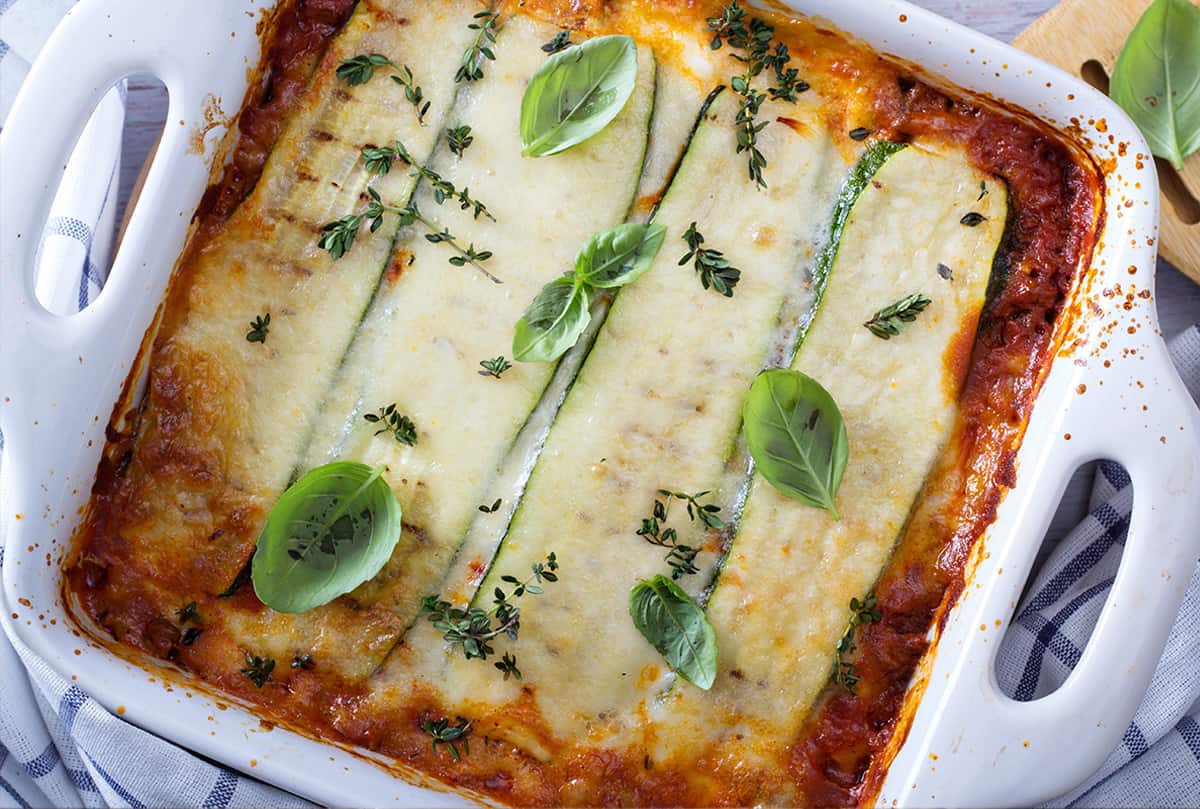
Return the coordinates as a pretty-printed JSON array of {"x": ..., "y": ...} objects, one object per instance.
[{"x": 185, "y": 434}]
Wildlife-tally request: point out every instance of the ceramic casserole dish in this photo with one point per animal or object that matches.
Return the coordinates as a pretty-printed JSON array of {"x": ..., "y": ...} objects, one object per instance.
[{"x": 1110, "y": 393}]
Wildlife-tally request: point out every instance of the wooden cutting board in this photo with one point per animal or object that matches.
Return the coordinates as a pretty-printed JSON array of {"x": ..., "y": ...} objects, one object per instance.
[{"x": 1084, "y": 37}]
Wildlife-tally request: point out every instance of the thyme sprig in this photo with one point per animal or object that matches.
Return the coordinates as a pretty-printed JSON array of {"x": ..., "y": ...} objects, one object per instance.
[
  {"x": 361, "y": 69},
  {"x": 258, "y": 669},
  {"x": 494, "y": 367},
  {"x": 715, "y": 270},
  {"x": 753, "y": 37},
  {"x": 473, "y": 629},
  {"x": 891, "y": 320},
  {"x": 379, "y": 160},
  {"x": 259, "y": 328},
  {"x": 471, "y": 68},
  {"x": 338, "y": 236},
  {"x": 400, "y": 426},
  {"x": 442, "y": 732},
  {"x": 459, "y": 138},
  {"x": 861, "y": 612},
  {"x": 681, "y": 558}
]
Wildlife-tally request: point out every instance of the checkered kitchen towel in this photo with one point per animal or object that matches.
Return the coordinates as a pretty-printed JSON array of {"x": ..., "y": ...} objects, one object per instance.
[{"x": 59, "y": 747}]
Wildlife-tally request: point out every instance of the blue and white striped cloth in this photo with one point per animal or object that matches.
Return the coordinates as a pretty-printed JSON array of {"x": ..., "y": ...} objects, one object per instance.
[{"x": 58, "y": 747}]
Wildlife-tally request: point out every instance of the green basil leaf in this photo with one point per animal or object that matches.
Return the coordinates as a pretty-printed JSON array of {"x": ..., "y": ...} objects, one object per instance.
[
  {"x": 332, "y": 530},
  {"x": 577, "y": 93},
  {"x": 553, "y": 322},
  {"x": 797, "y": 437},
  {"x": 1157, "y": 78},
  {"x": 619, "y": 256},
  {"x": 676, "y": 626}
]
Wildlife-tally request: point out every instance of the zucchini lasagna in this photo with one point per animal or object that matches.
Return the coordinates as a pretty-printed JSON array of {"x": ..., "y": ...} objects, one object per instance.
[{"x": 586, "y": 402}]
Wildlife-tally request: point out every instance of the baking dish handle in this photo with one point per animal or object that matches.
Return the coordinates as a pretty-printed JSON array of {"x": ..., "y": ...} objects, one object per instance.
[
  {"x": 46, "y": 355},
  {"x": 983, "y": 748}
]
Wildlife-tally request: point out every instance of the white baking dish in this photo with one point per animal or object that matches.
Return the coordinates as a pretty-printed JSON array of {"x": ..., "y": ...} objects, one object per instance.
[{"x": 968, "y": 744}]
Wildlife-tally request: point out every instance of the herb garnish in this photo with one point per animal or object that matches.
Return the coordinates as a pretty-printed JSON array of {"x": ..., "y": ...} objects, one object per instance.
[
  {"x": 559, "y": 314},
  {"x": 338, "y": 236},
  {"x": 303, "y": 662},
  {"x": 983, "y": 190},
  {"x": 188, "y": 614},
  {"x": 379, "y": 159},
  {"x": 861, "y": 612},
  {"x": 561, "y": 41},
  {"x": 1155, "y": 79},
  {"x": 400, "y": 426},
  {"x": 753, "y": 37},
  {"x": 714, "y": 269},
  {"x": 494, "y": 367},
  {"x": 473, "y": 628},
  {"x": 493, "y": 508},
  {"x": 973, "y": 219},
  {"x": 681, "y": 558},
  {"x": 258, "y": 670},
  {"x": 332, "y": 530},
  {"x": 190, "y": 634},
  {"x": 458, "y": 138},
  {"x": 945, "y": 272},
  {"x": 890, "y": 320},
  {"x": 259, "y": 327},
  {"x": 861, "y": 133},
  {"x": 675, "y": 625},
  {"x": 796, "y": 436},
  {"x": 576, "y": 93},
  {"x": 442, "y": 733},
  {"x": 361, "y": 69},
  {"x": 484, "y": 27}
]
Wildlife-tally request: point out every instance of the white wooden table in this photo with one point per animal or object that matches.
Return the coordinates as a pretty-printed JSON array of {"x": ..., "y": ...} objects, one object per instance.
[{"x": 1178, "y": 297}]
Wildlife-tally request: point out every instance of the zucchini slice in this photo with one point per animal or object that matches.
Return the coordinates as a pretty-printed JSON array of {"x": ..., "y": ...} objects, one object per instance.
[
  {"x": 656, "y": 405},
  {"x": 431, "y": 324},
  {"x": 781, "y": 602},
  {"x": 265, "y": 260}
]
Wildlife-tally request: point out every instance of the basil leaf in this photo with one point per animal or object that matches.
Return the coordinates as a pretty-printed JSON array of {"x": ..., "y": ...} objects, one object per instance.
[
  {"x": 1157, "y": 78},
  {"x": 553, "y": 322},
  {"x": 577, "y": 93},
  {"x": 675, "y": 626},
  {"x": 332, "y": 530},
  {"x": 619, "y": 256},
  {"x": 796, "y": 436}
]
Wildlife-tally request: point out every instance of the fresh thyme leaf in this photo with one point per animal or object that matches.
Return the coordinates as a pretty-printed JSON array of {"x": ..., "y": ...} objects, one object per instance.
[
  {"x": 258, "y": 670},
  {"x": 576, "y": 93},
  {"x": 259, "y": 327},
  {"x": 676, "y": 626},
  {"x": 983, "y": 190},
  {"x": 471, "y": 68},
  {"x": 332, "y": 530},
  {"x": 861, "y": 133},
  {"x": 361, "y": 69},
  {"x": 472, "y": 629},
  {"x": 890, "y": 320},
  {"x": 681, "y": 558},
  {"x": 442, "y": 733},
  {"x": 304, "y": 662},
  {"x": 861, "y": 612},
  {"x": 494, "y": 367},
  {"x": 753, "y": 37},
  {"x": 400, "y": 426},
  {"x": 459, "y": 138},
  {"x": 188, "y": 614},
  {"x": 190, "y": 634},
  {"x": 973, "y": 219},
  {"x": 945, "y": 272},
  {"x": 714, "y": 269},
  {"x": 493, "y": 508},
  {"x": 561, "y": 41},
  {"x": 553, "y": 322},
  {"x": 796, "y": 436}
]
